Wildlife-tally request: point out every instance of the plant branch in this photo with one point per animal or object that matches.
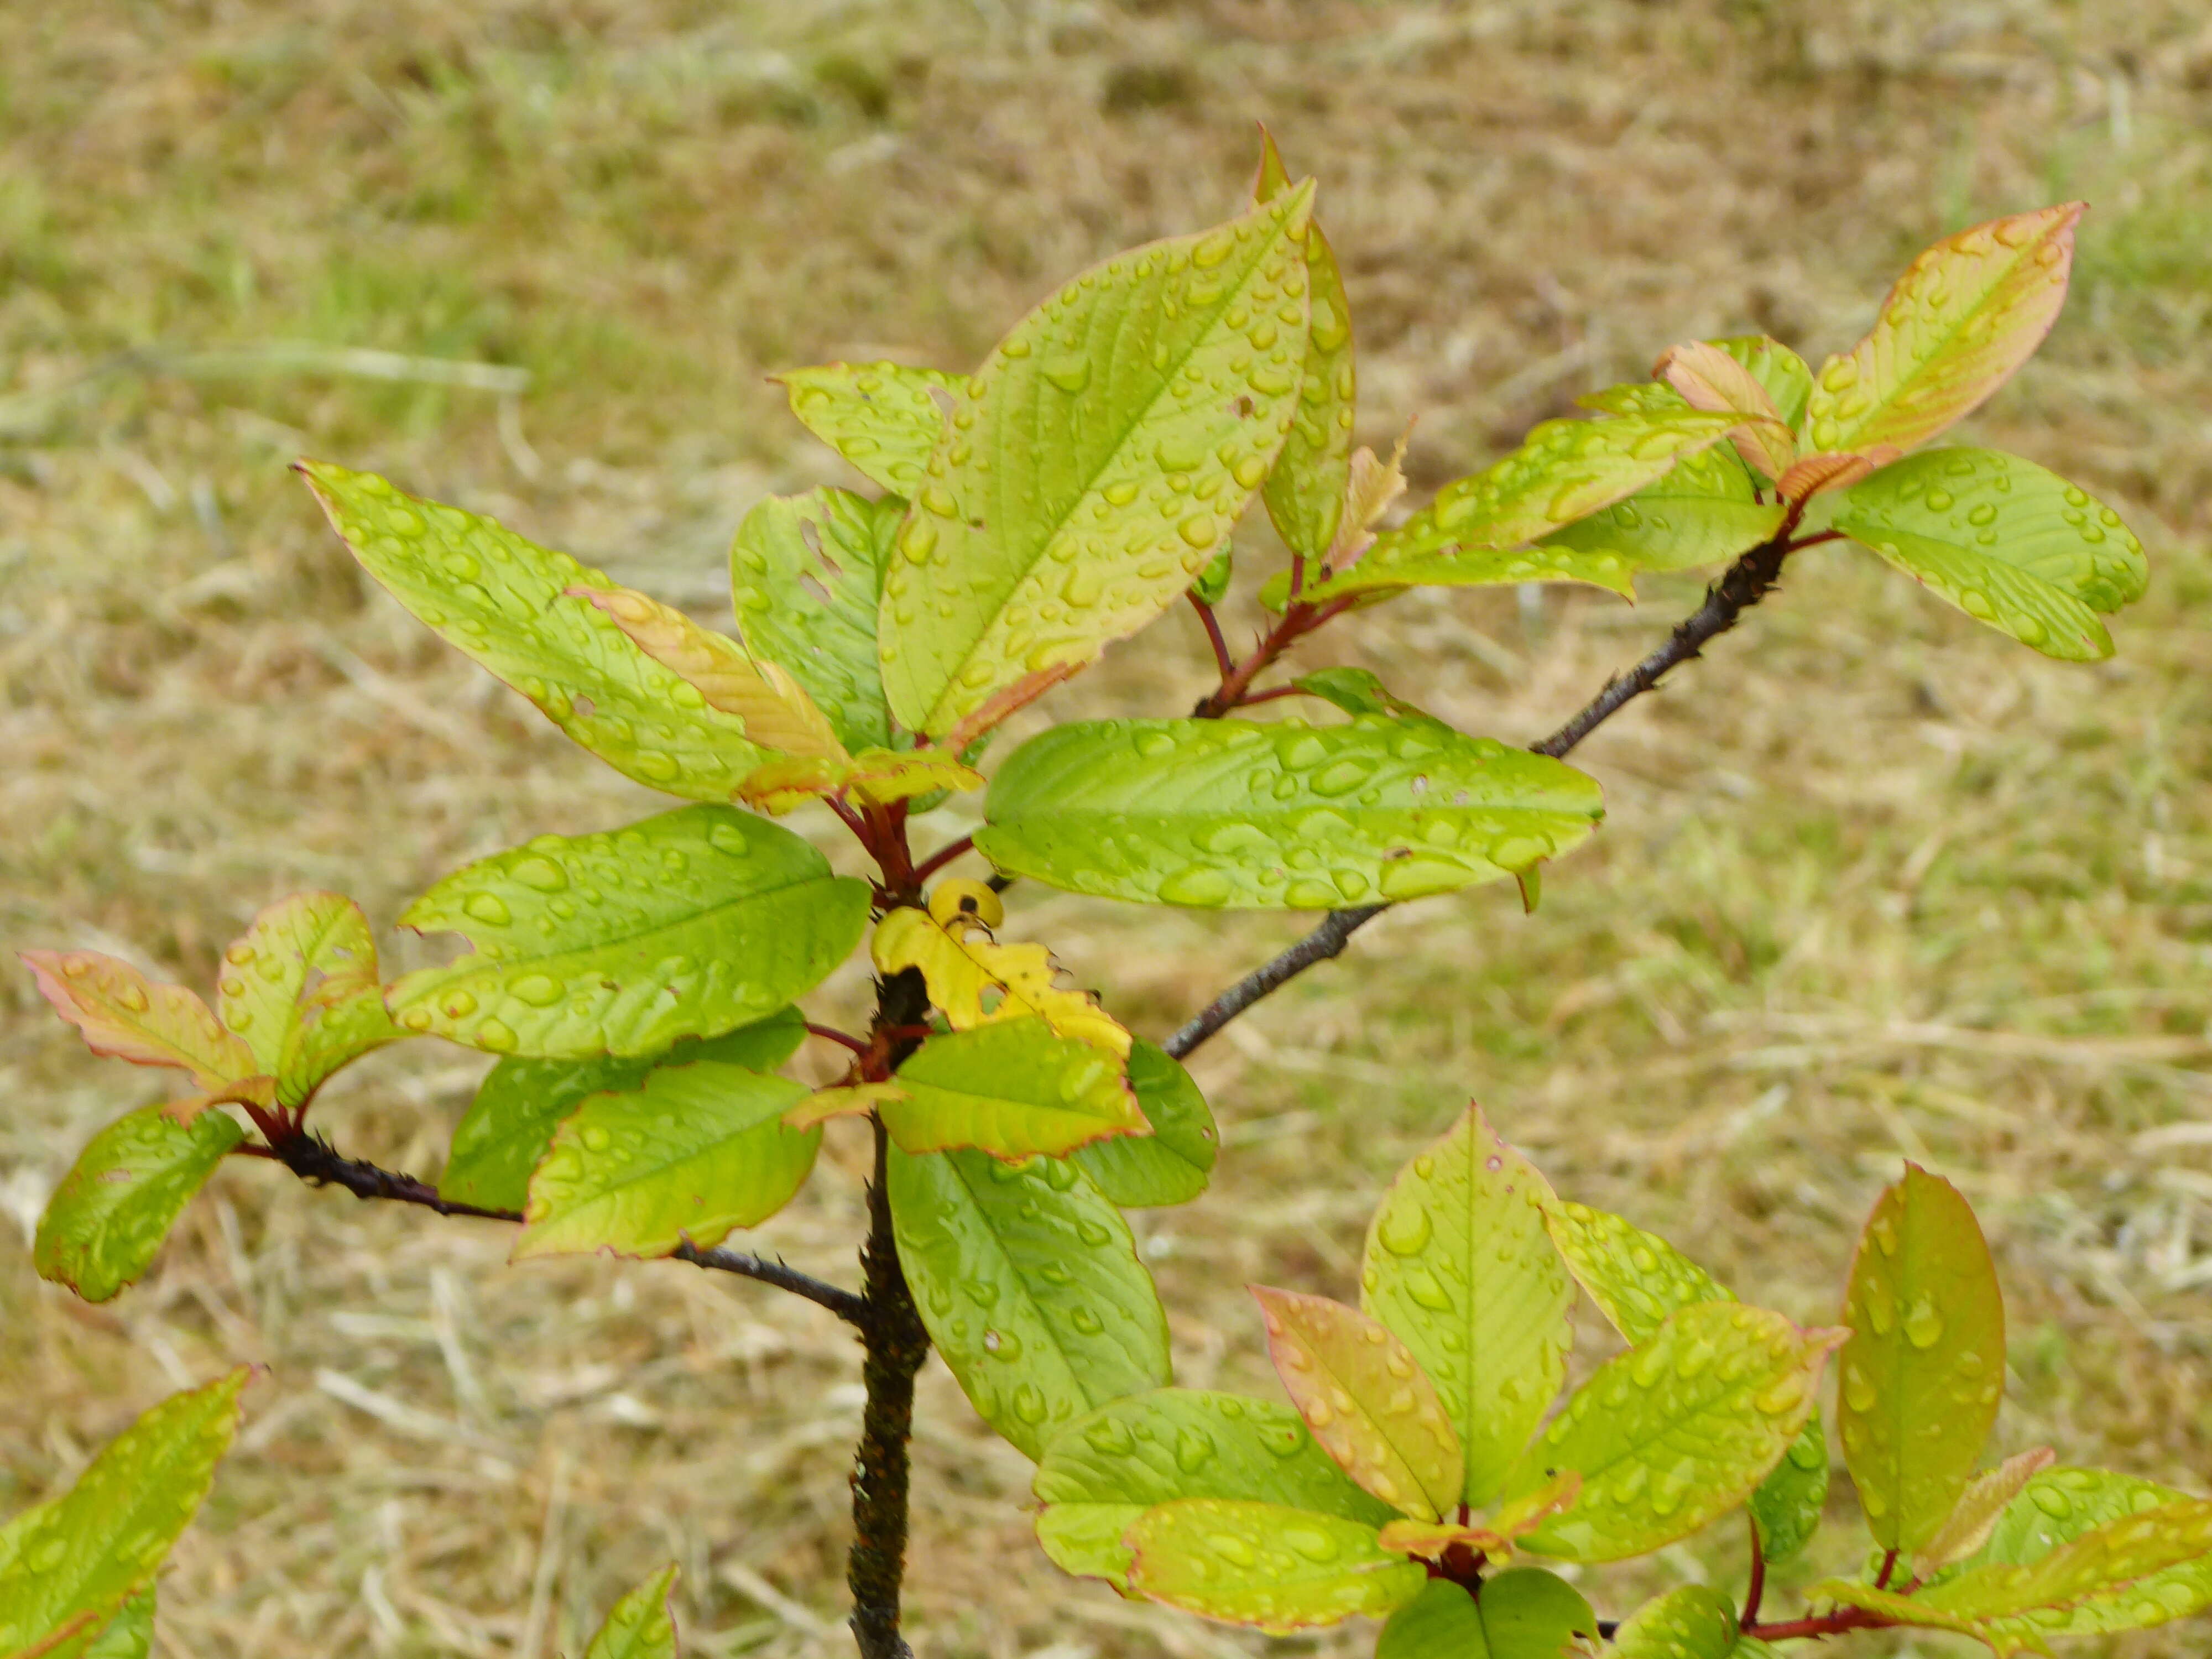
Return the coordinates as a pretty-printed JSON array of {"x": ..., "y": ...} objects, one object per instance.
[
  {"x": 1221, "y": 660},
  {"x": 942, "y": 856},
  {"x": 1756, "y": 1591},
  {"x": 1295, "y": 624},
  {"x": 1841, "y": 1621},
  {"x": 843, "y": 1039}
]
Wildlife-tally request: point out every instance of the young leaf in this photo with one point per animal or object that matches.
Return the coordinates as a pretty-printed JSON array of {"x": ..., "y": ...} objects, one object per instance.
[
  {"x": 1212, "y": 583},
  {"x": 1169, "y": 1165},
  {"x": 806, "y": 575},
  {"x": 1095, "y": 463},
  {"x": 1430, "y": 1540},
  {"x": 124, "y": 1014},
  {"x": 1030, "y": 1284},
  {"x": 503, "y": 601},
  {"x": 1100, "y": 1474},
  {"x": 301, "y": 988},
  {"x": 1785, "y": 376},
  {"x": 129, "y": 1635},
  {"x": 642, "y": 1624},
  {"x": 690, "y": 1153},
  {"x": 1367, "y": 1401},
  {"x": 1987, "y": 1496},
  {"x": 1458, "y": 1267},
  {"x": 1925, "y": 1369},
  {"x": 1675, "y": 1431},
  {"x": 1014, "y": 1089},
  {"x": 1359, "y": 692},
  {"x": 1964, "y": 316},
  {"x": 684, "y": 925},
  {"x": 2010, "y": 544},
  {"x": 1704, "y": 512},
  {"x": 107, "y": 1219},
  {"x": 1693, "y": 1621},
  {"x": 81, "y": 1559},
  {"x": 510, "y": 1123},
  {"x": 1305, "y": 490},
  {"x": 1710, "y": 378},
  {"x": 1232, "y": 814},
  {"x": 1818, "y": 474},
  {"x": 1266, "y": 1564},
  {"x": 884, "y": 418},
  {"x": 964, "y": 965},
  {"x": 1525, "y": 1613},
  {"x": 874, "y": 777}
]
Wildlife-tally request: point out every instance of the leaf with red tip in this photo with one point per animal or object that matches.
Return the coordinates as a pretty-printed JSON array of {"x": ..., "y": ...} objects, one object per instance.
[
  {"x": 1266, "y": 1564},
  {"x": 124, "y": 1014},
  {"x": 1964, "y": 316},
  {"x": 301, "y": 988},
  {"x": 1710, "y": 378},
  {"x": 1817, "y": 473}
]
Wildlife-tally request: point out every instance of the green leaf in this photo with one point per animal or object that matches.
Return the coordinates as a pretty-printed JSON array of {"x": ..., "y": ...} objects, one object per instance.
[
  {"x": 1964, "y": 316},
  {"x": 1171, "y": 1164},
  {"x": 1012, "y": 1088},
  {"x": 685, "y": 925},
  {"x": 1231, "y": 813},
  {"x": 301, "y": 988},
  {"x": 642, "y": 1624},
  {"x": 1103, "y": 1471},
  {"x": 1693, "y": 1621},
  {"x": 1787, "y": 377},
  {"x": 129, "y": 1635},
  {"x": 111, "y": 1211},
  {"x": 1097, "y": 461},
  {"x": 1524, "y": 1613},
  {"x": 122, "y": 1014},
  {"x": 1459, "y": 1266},
  {"x": 1675, "y": 1431},
  {"x": 87, "y": 1554},
  {"x": 1790, "y": 1503},
  {"x": 1212, "y": 583},
  {"x": 884, "y": 418},
  {"x": 509, "y": 1126},
  {"x": 2010, "y": 544},
  {"x": 1359, "y": 692},
  {"x": 1304, "y": 491},
  {"x": 1924, "y": 1370},
  {"x": 504, "y": 601},
  {"x": 1030, "y": 1284},
  {"x": 1980, "y": 1507},
  {"x": 1704, "y": 512},
  {"x": 1266, "y": 1564},
  {"x": 690, "y": 1153},
  {"x": 806, "y": 575}
]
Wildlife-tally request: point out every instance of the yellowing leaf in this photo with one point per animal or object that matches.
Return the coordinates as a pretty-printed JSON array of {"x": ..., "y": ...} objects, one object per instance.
[
  {"x": 124, "y": 1014},
  {"x": 1277, "y": 1568},
  {"x": 1709, "y": 509},
  {"x": 1709, "y": 378},
  {"x": 1428, "y": 1540},
  {"x": 873, "y": 777},
  {"x": 2061, "y": 1505},
  {"x": 1925, "y": 1369},
  {"x": 846, "y": 1100},
  {"x": 1968, "y": 1526},
  {"x": 884, "y": 418},
  {"x": 1306, "y": 489},
  {"x": 963, "y": 965},
  {"x": 301, "y": 988},
  {"x": 1366, "y": 1400},
  {"x": 1965, "y": 315},
  {"x": 1373, "y": 485},
  {"x": 1012, "y": 1088}
]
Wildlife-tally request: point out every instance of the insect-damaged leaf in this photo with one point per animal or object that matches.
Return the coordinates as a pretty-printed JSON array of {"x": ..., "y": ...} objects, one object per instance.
[
  {"x": 1102, "y": 1472},
  {"x": 1458, "y": 1267},
  {"x": 1305, "y": 490},
  {"x": 1524, "y": 1613},
  {"x": 1030, "y": 1284},
  {"x": 642, "y": 1624},
  {"x": 1095, "y": 463},
  {"x": 124, "y": 1014},
  {"x": 1964, "y": 316},
  {"x": 1266, "y": 1564},
  {"x": 1675, "y": 1431},
  {"x": 1240, "y": 815},
  {"x": 2012, "y": 545},
  {"x": 684, "y": 925},
  {"x": 1169, "y": 1165},
  {"x": 884, "y": 418},
  {"x": 107, "y": 1219},
  {"x": 1014, "y": 1089},
  {"x": 1694, "y": 1621},
  {"x": 1925, "y": 1369},
  {"x": 301, "y": 988},
  {"x": 503, "y": 600},
  {"x": 1366, "y": 1400},
  {"x": 963, "y": 965}
]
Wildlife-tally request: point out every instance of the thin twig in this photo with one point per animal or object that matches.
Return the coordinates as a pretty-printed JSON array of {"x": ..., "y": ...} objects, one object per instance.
[
  {"x": 1756, "y": 1591},
  {"x": 942, "y": 856},
  {"x": 830, "y": 1033}
]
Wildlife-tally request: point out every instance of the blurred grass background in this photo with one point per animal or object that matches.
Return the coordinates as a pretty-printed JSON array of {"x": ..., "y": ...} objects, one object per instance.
[{"x": 1876, "y": 883}]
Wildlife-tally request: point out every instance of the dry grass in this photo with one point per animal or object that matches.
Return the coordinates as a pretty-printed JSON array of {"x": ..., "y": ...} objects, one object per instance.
[{"x": 1875, "y": 882}]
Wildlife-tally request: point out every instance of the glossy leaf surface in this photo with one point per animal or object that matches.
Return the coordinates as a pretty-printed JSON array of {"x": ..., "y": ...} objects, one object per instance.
[
  {"x": 1459, "y": 1266},
  {"x": 2058, "y": 1507},
  {"x": 1706, "y": 511},
  {"x": 691, "y": 1152},
  {"x": 301, "y": 988},
  {"x": 1694, "y": 1621},
  {"x": 1098, "y": 459},
  {"x": 1171, "y": 1164},
  {"x": 1965, "y": 315},
  {"x": 504, "y": 601},
  {"x": 129, "y": 1635},
  {"x": 1524, "y": 1613},
  {"x": 106, "y": 1220},
  {"x": 1014, "y": 1089},
  {"x": 1924, "y": 1370},
  {"x": 122, "y": 1014},
  {"x": 964, "y": 965},
  {"x": 884, "y": 418},
  {"x": 1264, "y": 1565},
  {"x": 1030, "y": 1284},
  {"x": 1988, "y": 1495},
  {"x": 1305, "y": 490},
  {"x": 642, "y": 1624},
  {"x": 685, "y": 925},
  {"x": 1236, "y": 814}
]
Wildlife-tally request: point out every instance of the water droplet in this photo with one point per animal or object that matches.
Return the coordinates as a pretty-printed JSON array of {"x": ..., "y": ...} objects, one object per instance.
[
  {"x": 1403, "y": 1228},
  {"x": 1923, "y": 1323},
  {"x": 488, "y": 908},
  {"x": 543, "y": 874},
  {"x": 495, "y": 1038}
]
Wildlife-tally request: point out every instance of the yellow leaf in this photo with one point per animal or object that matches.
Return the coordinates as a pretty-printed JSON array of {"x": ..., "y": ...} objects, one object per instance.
[
  {"x": 874, "y": 777},
  {"x": 1373, "y": 485},
  {"x": 964, "y": 965},
  {"x": 853, "y": 1100}
]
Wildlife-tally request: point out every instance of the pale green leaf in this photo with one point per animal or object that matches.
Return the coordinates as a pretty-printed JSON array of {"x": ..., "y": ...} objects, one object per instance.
[
  {"x": 1236, "y": 814},
  {"x": 1097, "y": 461},
  {"x": 1102, "y": 1472},
  {"x": 691, "y": 1152},
  {"x": 1980, "y": 1507},
  {"x": 1924, "y": 1370},
  {"x": 884, "y": 418},
  {"x": 1693, "y": 1621},
  {"x": 1305, "y": 490},
  {"x": 1787, "y": 377},
  {"x": 87, "y": 1553},
  {"x": 1524, "y": 1613},
  {"x": 121, "y": 1013},
  {"x": 1359, "y": 692},
  {"x": 642, "y": 1624},
  {"x": 685, "y": 925},
  {"x": 504, "y": 601},
  {"x": 301, "y": 988},
  {"x": 1012, "y": 1088},
  {"x": 510, "y": 1123},
  {"x": 1677, "y": 1430},
  {"x": 1030, "y": 1284},
  {"x": 129, "y": 1635},
  {"x": 2010, "y": 544},
  {"x": 1171, "y": 1164},
  {"x": 1965, "y": 315},
  {"x": 1704, "y": 512},
  {"x": 1459, "y": 1266},
  {"x": 108, "y": 1216},
  {"x": 1266, "y": 1564},
  {"x": 1212, "y": 583}
]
